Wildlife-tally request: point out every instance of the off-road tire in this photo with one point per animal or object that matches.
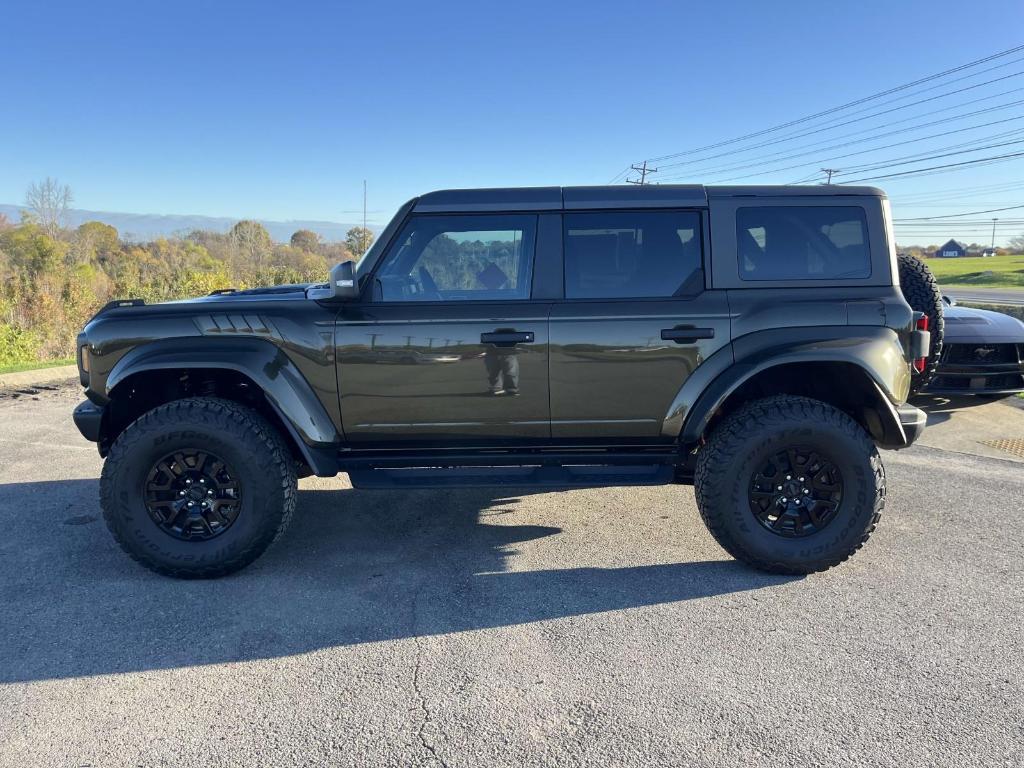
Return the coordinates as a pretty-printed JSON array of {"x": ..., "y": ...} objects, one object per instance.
[
  {"x": 725, "y": 467},
  {"x": 923, "y": 295},
  {"x": 243, "y": 439}
]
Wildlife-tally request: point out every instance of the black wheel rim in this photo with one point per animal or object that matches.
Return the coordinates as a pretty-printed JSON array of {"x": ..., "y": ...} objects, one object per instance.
[
  {"x": 192, "y": 495},
  {"x": 796, "y": 492}
]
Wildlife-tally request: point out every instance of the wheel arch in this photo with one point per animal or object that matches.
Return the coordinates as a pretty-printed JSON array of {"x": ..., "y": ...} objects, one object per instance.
[
  {"x": 861, "y": 371},
  {"x": 253, "y": 372}
]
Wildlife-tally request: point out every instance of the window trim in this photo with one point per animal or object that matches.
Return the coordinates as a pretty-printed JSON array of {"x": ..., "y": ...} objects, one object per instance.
[
  {"x": 724, "y": 266},
  {"x": 684, "y": 291},
  {"x": 367, "y": 295}
]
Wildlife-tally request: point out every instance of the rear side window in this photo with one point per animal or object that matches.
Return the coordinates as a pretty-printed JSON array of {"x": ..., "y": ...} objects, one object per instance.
[
  {"x": 802, "y": 243},
  {"x": 631, "y": 254}
]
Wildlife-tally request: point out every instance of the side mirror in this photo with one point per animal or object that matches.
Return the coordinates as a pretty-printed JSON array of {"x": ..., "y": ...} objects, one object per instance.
[{"x": 344, "y": 285}]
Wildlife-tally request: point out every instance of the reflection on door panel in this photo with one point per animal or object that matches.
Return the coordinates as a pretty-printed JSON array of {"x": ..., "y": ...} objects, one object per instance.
[{"x": 436, "y": 376}]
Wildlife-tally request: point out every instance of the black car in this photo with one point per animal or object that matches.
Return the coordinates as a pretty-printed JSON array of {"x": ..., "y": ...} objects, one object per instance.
[
  {"x": 752, "y": 341},
  {"x": 982, "y": 354}
]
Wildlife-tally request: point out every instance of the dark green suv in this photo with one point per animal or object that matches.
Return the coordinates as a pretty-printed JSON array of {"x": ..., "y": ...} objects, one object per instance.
[{"x": 751, "y": 341}]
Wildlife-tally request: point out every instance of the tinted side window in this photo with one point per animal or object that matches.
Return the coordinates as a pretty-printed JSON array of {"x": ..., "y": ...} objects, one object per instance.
[
  {"x": 630, "y": 254},
  {"x": 448, "y": 258},
  {"x": 802, "y": 243}
]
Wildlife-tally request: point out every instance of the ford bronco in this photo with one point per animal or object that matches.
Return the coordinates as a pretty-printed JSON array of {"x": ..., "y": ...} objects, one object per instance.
[{"x": 751, "y": 341}]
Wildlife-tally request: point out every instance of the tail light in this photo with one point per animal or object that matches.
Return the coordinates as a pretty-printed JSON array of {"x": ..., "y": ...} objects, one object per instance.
[{"x": 921, "y": 324}]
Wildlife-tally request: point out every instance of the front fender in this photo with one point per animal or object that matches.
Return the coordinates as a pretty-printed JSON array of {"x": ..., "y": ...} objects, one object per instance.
[
  {"x": 284, "y": 386},
  {"x": 874, "y": 350}
]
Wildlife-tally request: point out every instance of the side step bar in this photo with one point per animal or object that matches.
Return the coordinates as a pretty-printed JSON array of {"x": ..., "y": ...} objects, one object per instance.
[{"x": 566, "y": 476}]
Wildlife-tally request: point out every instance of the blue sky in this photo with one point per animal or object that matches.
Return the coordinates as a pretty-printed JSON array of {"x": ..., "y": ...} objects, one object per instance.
[{"x": 280, "y": 110}]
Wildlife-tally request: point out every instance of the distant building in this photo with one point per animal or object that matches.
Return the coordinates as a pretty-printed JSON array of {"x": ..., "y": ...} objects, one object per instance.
[{"x": 952, "y": 250}]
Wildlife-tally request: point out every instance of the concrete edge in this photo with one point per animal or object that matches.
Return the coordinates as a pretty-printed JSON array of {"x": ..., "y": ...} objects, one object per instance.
[{"x": 38, "y": 376}]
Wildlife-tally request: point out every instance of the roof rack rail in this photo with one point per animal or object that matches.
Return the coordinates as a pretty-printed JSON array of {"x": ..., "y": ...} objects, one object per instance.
[{"x": 222, "y": 292}]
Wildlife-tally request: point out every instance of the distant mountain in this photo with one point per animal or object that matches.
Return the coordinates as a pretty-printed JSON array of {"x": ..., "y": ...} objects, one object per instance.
[{"x": 145, "y": 226}]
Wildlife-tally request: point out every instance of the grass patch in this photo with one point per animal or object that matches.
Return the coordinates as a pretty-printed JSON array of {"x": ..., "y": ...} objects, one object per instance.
[
  {"x": 995, "y": 271},
  {"x": 16, "y": 367}
]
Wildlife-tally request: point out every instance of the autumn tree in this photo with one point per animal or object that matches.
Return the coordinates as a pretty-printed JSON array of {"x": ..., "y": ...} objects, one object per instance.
[
  {"x": 49, "y": 202},
  {"x": 95, "y": 240},
  {"x": 358, "y": 240},
  {"x": 253, "y": 240},
  {"x": 306, "y": 240}
]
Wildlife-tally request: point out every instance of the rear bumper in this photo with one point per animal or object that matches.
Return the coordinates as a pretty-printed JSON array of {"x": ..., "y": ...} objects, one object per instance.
[
  {"x": 913, "y": 421},
  {"x": 89, "y": 420}
]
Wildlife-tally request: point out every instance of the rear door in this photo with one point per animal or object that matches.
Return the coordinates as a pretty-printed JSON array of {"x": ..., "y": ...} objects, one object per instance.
[
  {"x": 636, "y": 320},
  {"x": 450, "y": 345}
]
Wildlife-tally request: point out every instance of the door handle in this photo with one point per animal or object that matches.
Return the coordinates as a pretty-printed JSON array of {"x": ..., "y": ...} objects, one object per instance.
[
  {"x": 686, "y": 335},
  {"x": 507, "y": 338}
]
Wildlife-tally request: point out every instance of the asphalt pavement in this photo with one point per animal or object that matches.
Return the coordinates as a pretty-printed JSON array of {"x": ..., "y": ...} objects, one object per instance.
[
  {"x": 1012, "y": 296},
  {"x": 477, "y": 628}
]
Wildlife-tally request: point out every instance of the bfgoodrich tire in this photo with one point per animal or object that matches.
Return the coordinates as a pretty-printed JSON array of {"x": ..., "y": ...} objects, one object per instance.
[
  {"x": 198, "y": 488},
  {"x": 790, "y": 485},
  {"x": 923, "y": 295}
]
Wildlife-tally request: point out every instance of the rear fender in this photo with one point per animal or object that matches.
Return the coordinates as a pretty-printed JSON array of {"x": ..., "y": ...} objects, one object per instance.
[{"x": 875, "y": 351}]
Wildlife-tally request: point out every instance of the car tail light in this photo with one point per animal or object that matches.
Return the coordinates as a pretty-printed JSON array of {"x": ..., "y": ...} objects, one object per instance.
[{"x": 921, "y": 324}]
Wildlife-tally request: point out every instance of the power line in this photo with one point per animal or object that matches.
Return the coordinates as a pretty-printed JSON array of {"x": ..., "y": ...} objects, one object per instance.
[
  {"x": 724, "y": 169},
  {"x": 940, "y": 196},
  {"x": 915, "y": 118},
  {"x": 920, "y": 157},
  {"x": 924, "y": 171},
  {"x": 621, "y": 175},
  {"x": 969, "y": 213},
  {"x": 842, "y": 107}
]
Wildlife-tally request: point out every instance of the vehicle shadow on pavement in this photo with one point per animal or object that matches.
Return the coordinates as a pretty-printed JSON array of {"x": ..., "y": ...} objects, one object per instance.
[{"x": 355, "y": 567}]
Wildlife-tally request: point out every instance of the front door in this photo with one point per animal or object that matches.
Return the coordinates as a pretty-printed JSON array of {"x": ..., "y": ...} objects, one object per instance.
[
  {"x": 450, "y": 346},
  {"x": 635, "y": 323}
]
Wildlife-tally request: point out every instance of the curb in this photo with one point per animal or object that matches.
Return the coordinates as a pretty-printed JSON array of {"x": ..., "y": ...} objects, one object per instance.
[{"x": 38, "y": 376}]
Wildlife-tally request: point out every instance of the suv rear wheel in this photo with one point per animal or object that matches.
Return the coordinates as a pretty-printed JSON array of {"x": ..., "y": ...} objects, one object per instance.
[
  {"x": 790, "y": 485},
  {"x": 198, "y": 488}
]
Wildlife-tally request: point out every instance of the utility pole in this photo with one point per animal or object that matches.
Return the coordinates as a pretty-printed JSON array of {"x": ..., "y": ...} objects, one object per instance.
[
  {"x": 994, "y": 233},
  {"x": 643, "y": 170},
  {"x": 829, "y": 171}
]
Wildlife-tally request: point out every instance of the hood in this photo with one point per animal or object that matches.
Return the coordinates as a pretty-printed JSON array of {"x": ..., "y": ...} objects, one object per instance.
[
  {"x": 966, "y": 324},
  {"x": 126, "y": 308}
]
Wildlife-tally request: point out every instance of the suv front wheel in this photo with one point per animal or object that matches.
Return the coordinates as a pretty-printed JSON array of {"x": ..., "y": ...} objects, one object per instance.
[
  {"x": 790, "y": 485},
  {"x": 198, "y": 488}
]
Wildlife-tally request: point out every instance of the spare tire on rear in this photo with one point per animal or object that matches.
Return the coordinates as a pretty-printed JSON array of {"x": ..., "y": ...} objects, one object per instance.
[{"x": 923, "y": 295}]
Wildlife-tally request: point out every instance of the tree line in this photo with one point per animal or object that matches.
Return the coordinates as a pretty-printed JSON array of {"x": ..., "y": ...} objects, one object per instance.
[{"x": 53, "y": 278}]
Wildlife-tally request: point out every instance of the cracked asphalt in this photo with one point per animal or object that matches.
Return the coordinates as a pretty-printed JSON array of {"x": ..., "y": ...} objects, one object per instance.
[{"x": 475, "y": 628}]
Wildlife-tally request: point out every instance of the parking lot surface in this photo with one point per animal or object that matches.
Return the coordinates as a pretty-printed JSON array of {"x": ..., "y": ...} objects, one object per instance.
[{"x": 478, "y": 628}]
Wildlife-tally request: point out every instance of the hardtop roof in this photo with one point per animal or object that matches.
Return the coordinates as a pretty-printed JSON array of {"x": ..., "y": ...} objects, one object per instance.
[{"x": 615, "y": 196}]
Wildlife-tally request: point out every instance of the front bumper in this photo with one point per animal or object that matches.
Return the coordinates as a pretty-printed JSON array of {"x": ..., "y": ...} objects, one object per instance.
[
  {"x": 979, "y": 369},
  {"x": 913, "y": 421},
  {"x": 89, "y": 420}
]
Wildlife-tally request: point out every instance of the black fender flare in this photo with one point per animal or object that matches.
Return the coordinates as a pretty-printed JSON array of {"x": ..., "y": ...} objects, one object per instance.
[
  {"x": 876, "y": 351},
  {"x": 285, "y": 388}
]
